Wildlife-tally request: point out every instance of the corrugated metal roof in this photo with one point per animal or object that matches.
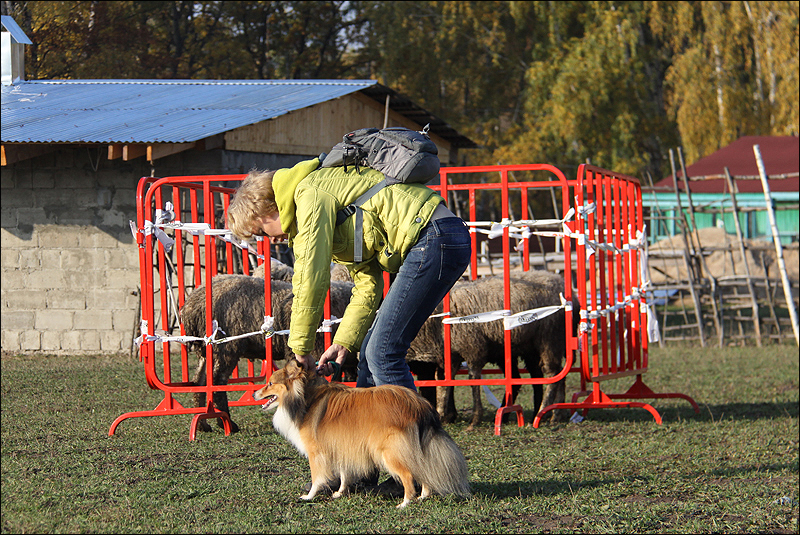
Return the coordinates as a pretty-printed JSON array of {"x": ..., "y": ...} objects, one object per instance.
[
  {"x": 14, "y": 29},
  {"x": 153, "y": 111}
]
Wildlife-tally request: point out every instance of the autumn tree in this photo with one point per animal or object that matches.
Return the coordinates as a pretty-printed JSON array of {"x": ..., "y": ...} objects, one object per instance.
[
  {"x": 734, "y": 70},
  {"x": 188, "y": 39},
  {"x": 615, "y": 83}
]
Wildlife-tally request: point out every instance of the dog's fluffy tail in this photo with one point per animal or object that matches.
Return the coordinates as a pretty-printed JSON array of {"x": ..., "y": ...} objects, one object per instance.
[{"x": 441, "y": 465}]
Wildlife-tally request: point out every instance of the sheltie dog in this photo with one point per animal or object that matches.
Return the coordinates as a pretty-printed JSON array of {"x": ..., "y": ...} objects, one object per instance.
[{"x": 351, "y": 432}]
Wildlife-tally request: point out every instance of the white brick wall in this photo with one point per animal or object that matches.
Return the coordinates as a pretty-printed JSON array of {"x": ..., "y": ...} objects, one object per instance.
[{"x": 59, "y": 296}]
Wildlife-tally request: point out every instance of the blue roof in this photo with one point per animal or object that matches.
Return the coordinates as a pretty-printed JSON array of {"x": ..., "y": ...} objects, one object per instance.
[
  {"x": 153, "y": 111},
  {"x": 14, "y": 29}
]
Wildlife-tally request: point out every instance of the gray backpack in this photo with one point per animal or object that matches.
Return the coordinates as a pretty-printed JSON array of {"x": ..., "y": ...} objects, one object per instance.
[{"x": 401, "y": 154}]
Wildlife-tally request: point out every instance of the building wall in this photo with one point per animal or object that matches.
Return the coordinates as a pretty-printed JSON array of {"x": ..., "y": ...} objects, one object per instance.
[
  {"x": 753, "y": 215},
  {"x": 70, "y": 265},
  {"x": 317, "y": 128}
]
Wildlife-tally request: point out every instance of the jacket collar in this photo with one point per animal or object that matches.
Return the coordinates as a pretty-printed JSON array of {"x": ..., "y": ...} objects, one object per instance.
[{"x": 284, "y": 183}]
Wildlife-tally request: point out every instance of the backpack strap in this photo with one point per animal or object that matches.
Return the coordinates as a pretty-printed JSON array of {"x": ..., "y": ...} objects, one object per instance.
[
  {"x": 358, "y": 236},
  {"x": 355, "y": 208},
  {"x": 350, "y": 209}
]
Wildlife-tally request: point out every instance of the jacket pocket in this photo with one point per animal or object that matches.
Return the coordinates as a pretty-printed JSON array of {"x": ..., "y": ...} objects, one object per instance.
[{"x": 375, "y": 240}]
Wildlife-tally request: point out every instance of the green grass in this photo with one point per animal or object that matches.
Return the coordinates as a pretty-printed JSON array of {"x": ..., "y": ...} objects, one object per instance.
[{"x": 724, "y": 470}]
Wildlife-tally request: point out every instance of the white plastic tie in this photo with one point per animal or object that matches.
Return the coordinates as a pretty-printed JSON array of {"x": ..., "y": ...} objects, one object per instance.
[
  {"x": 586, "y": 208},
  {"x": 161, "y": 236},
  {"x": 327, "y": 325},
  {"x": 491, "y": 397},
  {"x": 497, "y": 228},
  {"x": 166, "y": 215}
]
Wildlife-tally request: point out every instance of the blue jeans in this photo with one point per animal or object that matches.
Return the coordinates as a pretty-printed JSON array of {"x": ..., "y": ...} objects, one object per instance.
[{"x": 431, "y": 268}]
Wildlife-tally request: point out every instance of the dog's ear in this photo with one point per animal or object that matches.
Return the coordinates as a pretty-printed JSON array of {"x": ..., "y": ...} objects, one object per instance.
[{"x": 293, "y": 368}]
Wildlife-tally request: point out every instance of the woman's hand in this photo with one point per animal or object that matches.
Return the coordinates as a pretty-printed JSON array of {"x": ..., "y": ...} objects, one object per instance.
[
  {"x": 335, "y": 354},
  {"x": 307, "y": 361}
]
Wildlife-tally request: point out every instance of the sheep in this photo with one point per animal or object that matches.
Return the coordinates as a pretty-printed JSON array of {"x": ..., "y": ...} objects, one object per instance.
[
  {"x": 281, "y": 271},
  {"x": 238, "y": 307},
  {"x": 541, "y": 345},
  {"x": 340, "y": 273}
]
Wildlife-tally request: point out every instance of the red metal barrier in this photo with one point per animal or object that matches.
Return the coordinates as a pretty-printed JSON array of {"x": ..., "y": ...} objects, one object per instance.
[
  {"x": 610, "y": 235},
  {"x": 157, "y": 271},
  {"x": 618, "y": 217},
  {"x": 500, "y": 182}
]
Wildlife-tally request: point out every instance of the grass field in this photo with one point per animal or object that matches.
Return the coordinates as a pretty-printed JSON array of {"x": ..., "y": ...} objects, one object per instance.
[{"x": 733, "y": 468}]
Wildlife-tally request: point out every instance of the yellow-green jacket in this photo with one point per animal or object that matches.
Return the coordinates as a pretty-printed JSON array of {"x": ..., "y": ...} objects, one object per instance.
[{"x": 308, "y": 198}]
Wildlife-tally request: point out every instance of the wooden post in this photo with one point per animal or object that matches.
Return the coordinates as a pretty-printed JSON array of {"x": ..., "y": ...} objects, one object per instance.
[
  {"x": 679, "y": 217},
  {"x": 787, "y": 289},
  {"x": 688, "y": 254},
  {"x": 742, "y": 251},
  {"x": 701, "y": 256},
  {"x": 694, "y": 233}
]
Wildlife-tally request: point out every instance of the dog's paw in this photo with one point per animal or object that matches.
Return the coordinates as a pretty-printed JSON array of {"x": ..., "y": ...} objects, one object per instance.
[
  {"x": 307, "y": 497},
  {"x": 403, "y": 504},
  {"x": 426, "y": 492}
]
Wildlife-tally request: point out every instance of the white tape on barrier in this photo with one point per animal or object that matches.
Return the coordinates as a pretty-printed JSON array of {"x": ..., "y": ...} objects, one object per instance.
[
  {"x": 482, "y": 317},
  {"x": 529, "y": 316},
  {"x": 266, "y": 330},
  {"x": 161, "y": 338},
  {"x": 520, "y": 229},
  {"x": 166, "y": 219}
]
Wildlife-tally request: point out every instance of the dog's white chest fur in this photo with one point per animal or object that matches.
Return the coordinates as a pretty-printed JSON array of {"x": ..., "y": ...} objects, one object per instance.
[{"x": 283, "y": 424}]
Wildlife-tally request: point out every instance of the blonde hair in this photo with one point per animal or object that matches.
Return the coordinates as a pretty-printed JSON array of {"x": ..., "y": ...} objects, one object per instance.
[{"x": 253, "y": 199}]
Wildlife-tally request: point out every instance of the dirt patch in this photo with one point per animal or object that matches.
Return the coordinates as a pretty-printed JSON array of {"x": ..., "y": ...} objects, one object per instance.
[{"x": 548, "y": 524}]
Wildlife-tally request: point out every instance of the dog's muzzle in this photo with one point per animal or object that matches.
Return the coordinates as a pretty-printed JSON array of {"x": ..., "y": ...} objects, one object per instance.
[{"x": 268, "y": 401}]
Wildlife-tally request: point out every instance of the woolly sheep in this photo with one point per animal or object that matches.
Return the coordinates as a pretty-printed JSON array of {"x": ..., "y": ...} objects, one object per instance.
[
  {"x": 541, "y": 345},
  {"x": 281, "y": 271},
  {"x": 238, "y": 305}
]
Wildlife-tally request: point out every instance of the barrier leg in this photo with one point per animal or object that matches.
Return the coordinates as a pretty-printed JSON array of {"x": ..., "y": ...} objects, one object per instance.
[
  {"x": 507, "y": 407},
  {"x": 211, "y": 412},
  {"x": 171, "y": 406},
  {"x": 168, "y": 405},
  {"x": 598, "y": 400},
  {"x": 639, "y": 390}
]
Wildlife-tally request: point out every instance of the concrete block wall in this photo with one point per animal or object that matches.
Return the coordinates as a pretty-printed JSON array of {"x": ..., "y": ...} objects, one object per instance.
[
  {"x": 69, "y": 262},
  {"x": 71, "y": 288},
  {"x": 70, "y": 265}
]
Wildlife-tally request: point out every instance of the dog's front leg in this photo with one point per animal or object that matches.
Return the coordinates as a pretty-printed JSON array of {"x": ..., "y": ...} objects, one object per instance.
[
  {"x": 317, "y": 478},
  {"x": 315, "y": 486}
]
